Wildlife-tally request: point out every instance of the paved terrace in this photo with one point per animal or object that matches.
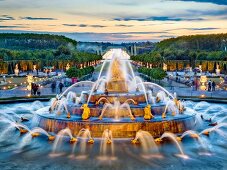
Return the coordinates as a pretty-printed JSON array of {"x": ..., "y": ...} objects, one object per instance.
[{"x": 179, "y": 88}]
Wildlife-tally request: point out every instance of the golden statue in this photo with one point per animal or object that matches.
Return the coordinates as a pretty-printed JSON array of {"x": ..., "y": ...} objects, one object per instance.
[
  {"x": 163, "y": 115},
  {"x": 134, "y": 141},
  {"x": 147, "y": 113},
  {"x": 158, "y": 99},
  {"x": 116, "y": 72},
  {"x": 91, "y": 141},
  {"x": 180, "y": 106},
  {"x": 175, "y": 101},
  {"x": 117, "y": 82},
  {"x": 68, "y": 115},
  {"x": 86, "y": 112}
]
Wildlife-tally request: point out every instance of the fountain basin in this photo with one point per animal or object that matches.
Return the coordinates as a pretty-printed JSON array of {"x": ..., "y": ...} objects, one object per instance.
[
  {"x": 137, "y": 110},
  {"x": 139, "y": 97},
  {"x": 122, "y": 128}
]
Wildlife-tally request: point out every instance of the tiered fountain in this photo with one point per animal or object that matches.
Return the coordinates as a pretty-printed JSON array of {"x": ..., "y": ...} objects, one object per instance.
[
  {"x": 119, "y": 101},
  {"x": 121, "y": 119}
]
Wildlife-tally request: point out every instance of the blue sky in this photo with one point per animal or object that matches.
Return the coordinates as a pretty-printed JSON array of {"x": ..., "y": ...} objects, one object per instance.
[{"x": 115, "y": 20}]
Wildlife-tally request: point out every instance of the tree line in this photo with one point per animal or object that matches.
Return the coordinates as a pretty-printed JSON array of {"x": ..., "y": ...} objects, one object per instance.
[
  {"x": 195, "y": 47},
  {"x": 61, "y": 53},
  {"x": 28, "y": 41},
  {"x": 153, "y": 73}
]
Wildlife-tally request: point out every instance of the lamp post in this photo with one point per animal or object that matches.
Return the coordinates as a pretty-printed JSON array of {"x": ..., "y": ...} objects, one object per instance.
[
  {"x": 29, "y": 80},
  {"x": 203, "y": 81}
]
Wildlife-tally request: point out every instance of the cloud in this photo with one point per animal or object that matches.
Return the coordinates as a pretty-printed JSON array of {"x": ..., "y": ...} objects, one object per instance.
[
  {"x": 158, "y": 18},
  {"x": 218, "y": 2},
  {"x": 202, "y": 29},
  {"x": 11, "y": 26},
  {"x": 142, "y": 32},
  {"x": 193, "y": 29},
  {"x": 6, "y": 18},
  {"x": 37, "y": 18},
  {"x": 97, "y": 26},
  {"x": 84, "y": 25},
  {"x": 70, "y": 25},
  {"x": 126, "y": 3},
  {"x": 214, "y": 12},
  {"x": 123, "y": 25}
]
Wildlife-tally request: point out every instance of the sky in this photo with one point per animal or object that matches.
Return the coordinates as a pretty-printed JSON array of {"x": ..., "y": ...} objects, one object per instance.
[{"x": 114, "y": 20}]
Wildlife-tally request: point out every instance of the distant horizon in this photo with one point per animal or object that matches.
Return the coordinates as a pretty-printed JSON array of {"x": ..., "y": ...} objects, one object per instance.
[
  {"x": 82, "y": 41},
  {"x": 74, "y": 36},
  {"x": 114, "y": 20}
]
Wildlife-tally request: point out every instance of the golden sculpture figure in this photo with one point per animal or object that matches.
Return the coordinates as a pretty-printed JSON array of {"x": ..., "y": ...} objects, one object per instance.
[
  {"x": 86, "y": 112},
  {"x": 147, "y": 113},
  {"x": 117, "y": 82},
  {"x": 115, "y": 71}
]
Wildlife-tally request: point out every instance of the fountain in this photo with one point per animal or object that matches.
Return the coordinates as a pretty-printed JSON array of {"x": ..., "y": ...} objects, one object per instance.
[
  {"x": 121, "y": 118},
  {"x": 118, "y": 101}
]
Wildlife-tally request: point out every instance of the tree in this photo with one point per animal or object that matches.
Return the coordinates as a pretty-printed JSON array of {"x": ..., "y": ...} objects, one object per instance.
[
  {"x": 157, "y": 73},
  {"x": 75, "y": 72}
]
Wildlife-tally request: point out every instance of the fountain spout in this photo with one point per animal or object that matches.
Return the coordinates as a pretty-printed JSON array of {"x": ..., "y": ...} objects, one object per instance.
[
  {"x": 147, "y": 113},
  {"x": 102, "y": 99},
  {"x": 86, "y": 112}
]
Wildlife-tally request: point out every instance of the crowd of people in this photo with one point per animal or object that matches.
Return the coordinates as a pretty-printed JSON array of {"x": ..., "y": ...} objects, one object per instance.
[
  {"x": 57, "y": 87},
  {"x": 35, "y": 89},
  {"x": 211, "y": 85}
]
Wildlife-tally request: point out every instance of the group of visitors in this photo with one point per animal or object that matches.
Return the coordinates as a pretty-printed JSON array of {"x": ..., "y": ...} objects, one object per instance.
[
  {"x": 211, "y": 85},
  {"x": 35, "y": 89},
  {"x": 57, "y": 87}
]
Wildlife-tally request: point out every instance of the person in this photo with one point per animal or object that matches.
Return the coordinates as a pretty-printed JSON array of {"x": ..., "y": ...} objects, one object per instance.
[
  {"x": 209, "y": 85},
  {"x": 61, "y": 86},
  {"x": 193, "y": 83},
  {"x": 213, "y": 86},
  {"x": 32, "y": 88},
  {"x": 4, "y": 78},
  {"x": 53, "y": 87},
  {"x": 35, "y": 88},
  {"x": 106, "y": 92},
  {"x": 38, "y": 90},
  {"x": 177, "y": 78}
]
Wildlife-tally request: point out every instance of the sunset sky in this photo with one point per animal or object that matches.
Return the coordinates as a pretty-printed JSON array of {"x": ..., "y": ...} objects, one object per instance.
[{"x": 115, "y": 20}]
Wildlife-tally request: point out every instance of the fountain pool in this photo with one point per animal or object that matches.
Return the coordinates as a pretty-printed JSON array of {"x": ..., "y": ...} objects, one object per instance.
[
  {"x": 26, "y": 152},
  {"x": 120, "y": 123}
]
